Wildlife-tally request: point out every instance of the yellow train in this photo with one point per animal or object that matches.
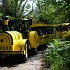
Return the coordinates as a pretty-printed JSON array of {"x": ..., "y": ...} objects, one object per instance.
[
  {"x": 48, "y": 32},
  {"x": 19, "y": 37}
]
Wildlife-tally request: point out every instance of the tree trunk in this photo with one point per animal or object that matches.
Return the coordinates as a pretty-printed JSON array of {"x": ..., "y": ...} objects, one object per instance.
[{"x": 5, "y": 7}]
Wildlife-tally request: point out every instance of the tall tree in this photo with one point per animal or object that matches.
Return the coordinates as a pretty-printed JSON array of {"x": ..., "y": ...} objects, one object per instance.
[
  {"x": 53, "y": 11},
  {"x": 16, "y": 8},
  {"x": 5, "y": 7}
]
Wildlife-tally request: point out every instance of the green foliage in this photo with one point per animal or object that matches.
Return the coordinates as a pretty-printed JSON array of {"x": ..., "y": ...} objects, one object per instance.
[
  {"x": 52, "y": 11},
  {"x": 16, "y": 8},
  {"x": 68, "y": 38},
  {"x": 12, "y": 8},
  {"x": 1, "y": 15},
  {"x": 28, "y": 6},
  {"x": 57, "y": 55}
]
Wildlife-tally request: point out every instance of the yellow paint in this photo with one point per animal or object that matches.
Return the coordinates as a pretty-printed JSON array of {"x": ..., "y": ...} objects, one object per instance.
[
  {"x": 14, "y": 39},
  {"x": 6, "y": 22},
  {"x": 34, "y": 39}
]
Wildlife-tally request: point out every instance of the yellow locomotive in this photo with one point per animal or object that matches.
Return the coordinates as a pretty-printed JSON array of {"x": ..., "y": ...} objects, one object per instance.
[{"x": 17, "y": 39}]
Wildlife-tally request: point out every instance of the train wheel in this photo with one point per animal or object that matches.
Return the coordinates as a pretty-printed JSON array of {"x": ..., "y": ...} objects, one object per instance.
[
  {"x": 26, "y": 52},
  {"x": 34, "y": 50},
  {"x": 29, "y": 49}
]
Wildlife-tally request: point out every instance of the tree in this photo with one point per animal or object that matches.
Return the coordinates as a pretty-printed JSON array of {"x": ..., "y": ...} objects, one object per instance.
[
  {"x": 52, "y": 11},
  {"x": 45, "y": 10},
  {"x": 5, "y": 7},
  {"x": 16, "y": 8}
]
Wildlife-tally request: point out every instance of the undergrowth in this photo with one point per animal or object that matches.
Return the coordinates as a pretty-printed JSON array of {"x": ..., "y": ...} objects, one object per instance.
[{"x": 57, "y": 55}]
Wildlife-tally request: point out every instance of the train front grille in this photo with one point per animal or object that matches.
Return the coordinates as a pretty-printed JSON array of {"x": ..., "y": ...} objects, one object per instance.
[{"x": 5, "y": 48}]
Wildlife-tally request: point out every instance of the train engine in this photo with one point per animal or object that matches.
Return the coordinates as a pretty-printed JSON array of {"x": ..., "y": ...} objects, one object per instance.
[{"x": 17, "y": 39}]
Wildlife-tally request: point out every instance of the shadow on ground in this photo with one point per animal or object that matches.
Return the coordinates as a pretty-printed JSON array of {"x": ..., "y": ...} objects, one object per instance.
[{"x": 12, "y": 62}]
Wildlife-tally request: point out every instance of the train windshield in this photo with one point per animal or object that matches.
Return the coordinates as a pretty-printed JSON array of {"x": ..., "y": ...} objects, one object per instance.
[{"x": 16, "y": 25}]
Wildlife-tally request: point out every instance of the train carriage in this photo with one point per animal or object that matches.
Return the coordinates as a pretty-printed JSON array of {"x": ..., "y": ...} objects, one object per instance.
[
  {"x": 48, "y": 32},
  {"x": 65, "y": 28}
]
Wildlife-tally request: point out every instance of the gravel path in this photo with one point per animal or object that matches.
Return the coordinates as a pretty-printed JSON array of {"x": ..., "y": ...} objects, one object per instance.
[{"x": 33, "y": 63}]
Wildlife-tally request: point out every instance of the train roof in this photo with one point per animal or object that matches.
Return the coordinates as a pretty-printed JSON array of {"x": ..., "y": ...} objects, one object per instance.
[
  {"x": 44, "y": 25},
  {"x": 64, "y": 24},
  {"x": 48, "y": 25}
]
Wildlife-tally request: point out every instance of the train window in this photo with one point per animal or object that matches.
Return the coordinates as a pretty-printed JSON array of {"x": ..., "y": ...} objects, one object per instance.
[
  {"x": 57, "y": 29},
  {"x": 26, "y": 24},
  {"x": 69, "y": 27},
  {"x": 41, "y": 31},
  {"x": 44, "y": 30},
  {"x": 32, "y": 28},
  {"x": 15, "y": 25},
  {"x": 63, "y": 28},
  {"x": 49, "y": 30}
]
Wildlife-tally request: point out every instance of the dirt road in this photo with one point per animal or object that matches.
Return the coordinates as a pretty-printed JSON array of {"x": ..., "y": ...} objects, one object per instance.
[{"x": 33, "y": 63}]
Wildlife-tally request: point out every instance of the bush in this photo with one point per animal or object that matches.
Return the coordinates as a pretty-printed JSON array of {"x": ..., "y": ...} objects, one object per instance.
[{"x": 57, "y": 55}]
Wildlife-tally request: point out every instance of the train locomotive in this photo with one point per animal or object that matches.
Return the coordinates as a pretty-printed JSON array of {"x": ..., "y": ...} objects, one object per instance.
[{"x": 16, "y": 38}]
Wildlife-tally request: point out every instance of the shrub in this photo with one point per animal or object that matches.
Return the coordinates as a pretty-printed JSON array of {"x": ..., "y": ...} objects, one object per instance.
[{"x": 57, "y": 55}]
